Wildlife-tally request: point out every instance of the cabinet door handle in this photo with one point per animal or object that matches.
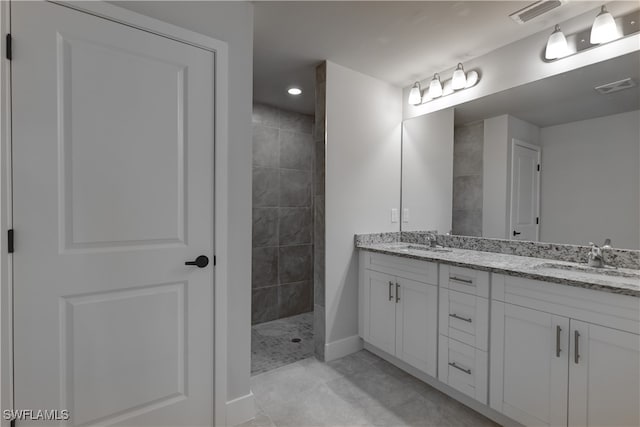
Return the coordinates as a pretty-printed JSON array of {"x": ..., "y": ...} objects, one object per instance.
[
  {"x": 558, "y": 330},
  {"x": 397, "y": 292},
  {"x": 466, "y": 371},
  {"x": 576, "y": 356},
  {"x": 465, "y": 319},
  {"x": 390, "y": 290},
  {"x": 457, "y": 279}
]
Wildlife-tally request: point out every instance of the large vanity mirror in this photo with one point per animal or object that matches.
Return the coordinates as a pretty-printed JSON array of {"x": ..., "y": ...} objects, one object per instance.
[{"x": 556, "y": 160}]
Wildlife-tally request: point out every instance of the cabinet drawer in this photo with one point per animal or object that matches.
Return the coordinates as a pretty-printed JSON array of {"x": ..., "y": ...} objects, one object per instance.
[
  {"x": 463, "y": 368},
  {"x": 413, "y": 269},
  {"x": 465, "y": 280},
  {"x": 464, "y": 318}
]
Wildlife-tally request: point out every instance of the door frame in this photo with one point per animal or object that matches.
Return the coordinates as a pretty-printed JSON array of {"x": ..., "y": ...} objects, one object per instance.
[
  {"x": 538, "y": 149},
  {"x": 221, "y": 146}
]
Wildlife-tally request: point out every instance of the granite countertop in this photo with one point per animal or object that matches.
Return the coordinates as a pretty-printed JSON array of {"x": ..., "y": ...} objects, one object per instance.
[{"x": 614, "y": 280}]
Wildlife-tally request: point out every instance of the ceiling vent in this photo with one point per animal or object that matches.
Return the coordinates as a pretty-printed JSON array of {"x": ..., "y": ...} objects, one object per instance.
[
  {"x": 534, "y": 10},
  {"x": 623, "y": 84}
]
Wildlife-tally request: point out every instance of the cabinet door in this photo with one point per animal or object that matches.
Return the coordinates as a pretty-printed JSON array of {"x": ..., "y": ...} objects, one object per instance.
[
  {"x": 417, "y": 325},
  {"x": 604, "y": 376},
  {"x": 380, "y": 324},
  {"x": 529, "y": 365}
]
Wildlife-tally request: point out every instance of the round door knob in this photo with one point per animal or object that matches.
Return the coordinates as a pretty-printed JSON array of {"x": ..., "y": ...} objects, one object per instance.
[{"x": 202, "y": 261}]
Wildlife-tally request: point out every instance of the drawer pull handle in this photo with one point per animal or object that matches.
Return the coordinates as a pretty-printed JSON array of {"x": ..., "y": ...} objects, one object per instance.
[
  {"x": 466, "y": 371},
  {"x": 390, "y": 290},
  {"x": 397, "y": 293},
  {"x": 558, "y": 330},
  {"x": 576, "y": 358},
  {"x": 457, "y": 279},
  {"x": 465, "y": 319}
]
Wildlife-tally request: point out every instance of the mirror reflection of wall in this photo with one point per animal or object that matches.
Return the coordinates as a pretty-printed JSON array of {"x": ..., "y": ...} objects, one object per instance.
[{"x": 588, "y": 145}]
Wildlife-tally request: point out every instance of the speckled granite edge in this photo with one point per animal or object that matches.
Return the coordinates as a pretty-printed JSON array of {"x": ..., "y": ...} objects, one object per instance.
[
  {"x": 373, "y": 239},
  {"x": 512, "y": 265},
  {"x": 621, "y": 258}
]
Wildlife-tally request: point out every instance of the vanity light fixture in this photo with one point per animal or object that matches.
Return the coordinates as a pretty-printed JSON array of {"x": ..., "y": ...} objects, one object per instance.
[
  {"x": 459, "y": 79},
  {"x": 556, "y": 45},
  {"x": 604, "y": 28},
  {"x": 415, "y": 95},
  {"x": 435, "y": 87},
  {"x": 294, "y": 91}
]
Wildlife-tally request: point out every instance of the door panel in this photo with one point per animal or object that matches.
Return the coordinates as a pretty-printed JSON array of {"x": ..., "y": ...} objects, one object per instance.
[
  {"x": 382, "y": 311},
  {"x": 524, "y": 191},
  {"x": 604, "y": 381},
  {"x": 535, "y": 375},
  {"x": 417, "y": 325},
  {"x": 113, "y": 192}
]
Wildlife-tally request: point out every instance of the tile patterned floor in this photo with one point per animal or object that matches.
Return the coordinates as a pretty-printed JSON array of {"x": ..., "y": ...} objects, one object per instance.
[
  {"x": 358, "y": 390},
  {"x": 271, "y": 345}
]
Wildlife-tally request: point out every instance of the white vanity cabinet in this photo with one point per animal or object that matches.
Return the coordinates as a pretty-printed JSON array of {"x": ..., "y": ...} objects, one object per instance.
[
  {"x": 399, "y": 308},
  {"x": 464, "y": 330},
  {"x": 563, "y": 355}
]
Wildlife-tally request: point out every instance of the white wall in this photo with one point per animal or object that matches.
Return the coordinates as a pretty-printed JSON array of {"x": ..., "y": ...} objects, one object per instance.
[
  {"x": 590, "y": 181},
  {"x": 427, "y": 171},
  {"x": 496, "y": 189},
  {"x": 362, "y": 182},
  {"x": 521, "y": 62},
  {"x": 231, "y": 22}
]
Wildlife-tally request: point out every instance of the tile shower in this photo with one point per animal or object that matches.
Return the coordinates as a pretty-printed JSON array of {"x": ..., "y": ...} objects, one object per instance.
[
  {"x": 468, "y": 143},
  {"x": 283, "y": 206}
]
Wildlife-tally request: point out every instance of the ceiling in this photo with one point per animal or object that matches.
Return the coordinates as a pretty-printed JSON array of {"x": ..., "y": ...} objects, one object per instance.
[
  {"x": 563, "y": 98},
  {"x": 398, "y": 42}
]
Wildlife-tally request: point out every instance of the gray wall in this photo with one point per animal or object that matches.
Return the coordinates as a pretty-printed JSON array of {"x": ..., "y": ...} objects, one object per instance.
[
  {"x": 282, "y": 266},
  {"x": 319, "y": 133},
  {"x": 468, "y": 143}
]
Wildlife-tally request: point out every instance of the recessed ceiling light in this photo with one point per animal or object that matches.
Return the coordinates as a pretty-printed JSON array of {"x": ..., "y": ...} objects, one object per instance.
[{"x": 294, "y": 91}]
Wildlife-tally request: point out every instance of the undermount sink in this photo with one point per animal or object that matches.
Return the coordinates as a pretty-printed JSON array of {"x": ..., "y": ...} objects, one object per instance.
[
  {"x": 423, "y": 248},
  {"x": 585, "y": 269}
]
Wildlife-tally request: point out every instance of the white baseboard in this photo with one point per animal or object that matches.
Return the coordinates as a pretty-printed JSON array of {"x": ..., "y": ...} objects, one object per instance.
[
  {"x": 241, "y": 410},
  {"x": 341, "y": 348}
]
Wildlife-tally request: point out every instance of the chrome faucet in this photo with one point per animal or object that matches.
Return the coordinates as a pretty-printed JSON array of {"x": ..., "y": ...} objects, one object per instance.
[
  {"x": 596, "y": 255},
  {"x": 432, "y": 238}
]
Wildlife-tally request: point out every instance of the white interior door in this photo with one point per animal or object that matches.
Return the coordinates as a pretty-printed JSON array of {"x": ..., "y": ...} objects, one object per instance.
[
  {"x": 113, "y": 192},
  {"x": 525, "y": 191}
]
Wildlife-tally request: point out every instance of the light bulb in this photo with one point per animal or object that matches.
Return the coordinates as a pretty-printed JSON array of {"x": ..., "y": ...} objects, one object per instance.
[
  {"x": 556, "y": 45},
  {"x": 604, "y": 28},
  {"x": 459, "y": 79},
  {"x": 415, "y": 95},
  {"x": 435, "y": 87}
]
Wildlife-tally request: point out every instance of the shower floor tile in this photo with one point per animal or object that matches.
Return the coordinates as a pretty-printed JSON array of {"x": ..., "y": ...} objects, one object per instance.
[{"x": 272, "y": 346}]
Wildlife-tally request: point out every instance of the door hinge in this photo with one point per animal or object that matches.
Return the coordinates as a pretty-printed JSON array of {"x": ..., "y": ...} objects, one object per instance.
[
  {"x": 538, "y": 167},
  {"x": 214, "y": 260},
  {"x": 10, "y": 240},
  {"x": 537, "y": 220},
  {"x": 8, "y": 46}
]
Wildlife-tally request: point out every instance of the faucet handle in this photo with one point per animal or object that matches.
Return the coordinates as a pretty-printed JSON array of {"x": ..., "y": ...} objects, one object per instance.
[{"x": 607, "y": 244}]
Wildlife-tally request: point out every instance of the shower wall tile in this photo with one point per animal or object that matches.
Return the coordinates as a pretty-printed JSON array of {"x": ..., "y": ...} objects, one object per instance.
[
  {"x": 295, "y": 298},
  {"x": 467, "y": 179},
  {"x": 295, "y": 188},
  {"x": 266, "y": 146},
  {"x": 295, "y": 263},
  {"x": 265, "y": 227},
  {"x": 467, "y": 192},
  {"x": 264, "y": 304},
  {"x": 283, "y": 213},
  {"x": 467, "y": 222},
  {"x": 296, "y": 122},
  {"x": 266, "y": 187},
  {"x": 467, "y": 149},
  {"x": 319, "y": 168},
  {"x": 295, "y": 226},
  {"x": 296, "y": 150},
  {"x": 264, "y": 271},
  {"x": 266, "y": 115}
]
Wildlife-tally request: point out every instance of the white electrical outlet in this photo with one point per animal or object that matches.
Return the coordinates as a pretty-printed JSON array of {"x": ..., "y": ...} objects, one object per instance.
[
  {"x": 405, "y": 215},
  {"x": 394, "y": 215}
]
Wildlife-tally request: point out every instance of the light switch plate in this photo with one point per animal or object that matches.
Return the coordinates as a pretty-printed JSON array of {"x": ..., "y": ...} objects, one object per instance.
[
  {"x": 405, "y": 215},
  {"x": 394, "y": 215}
]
